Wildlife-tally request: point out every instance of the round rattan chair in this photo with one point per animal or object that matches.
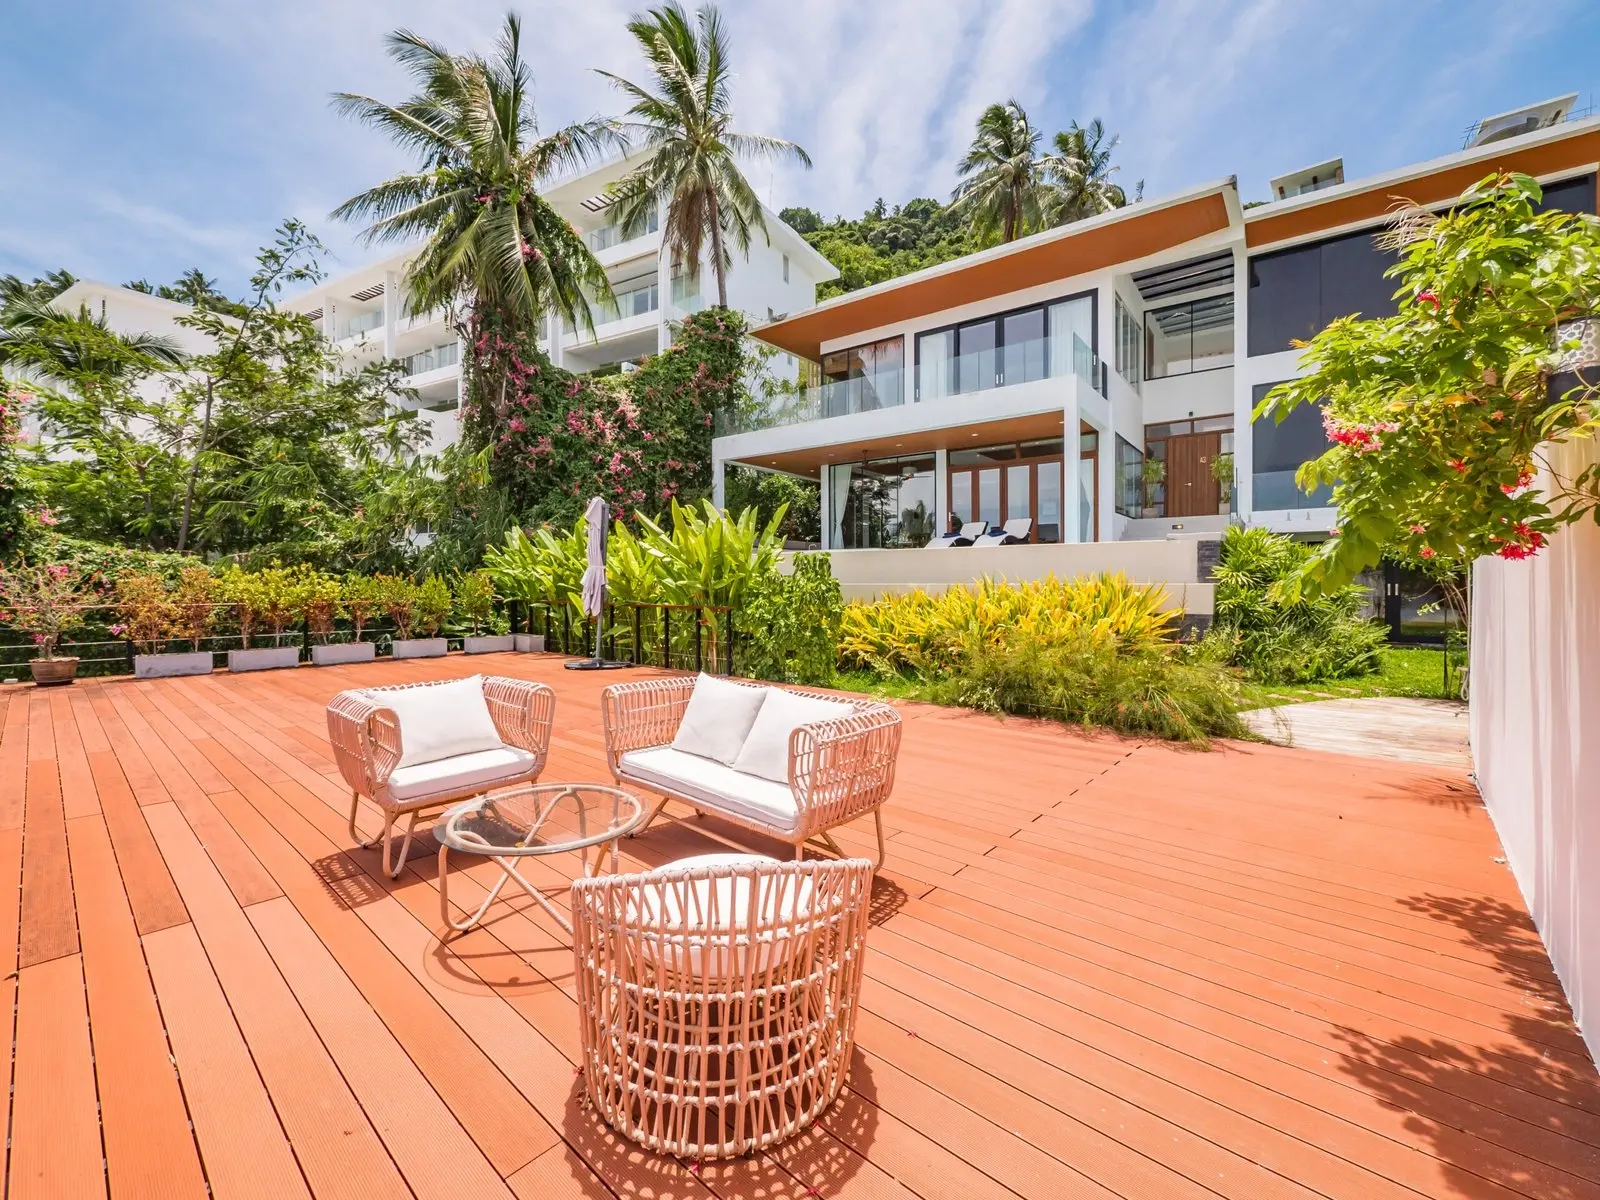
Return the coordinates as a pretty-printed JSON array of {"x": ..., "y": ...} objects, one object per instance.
[{"x": 718, "y": 997}]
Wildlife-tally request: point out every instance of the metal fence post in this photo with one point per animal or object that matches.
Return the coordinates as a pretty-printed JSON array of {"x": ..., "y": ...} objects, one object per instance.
[
  {"x": 638, "y": 651},
  {"x": 699, "y": 651},
  {"x": 666, "y": 637},
  {"x": 727, "y": 638}
]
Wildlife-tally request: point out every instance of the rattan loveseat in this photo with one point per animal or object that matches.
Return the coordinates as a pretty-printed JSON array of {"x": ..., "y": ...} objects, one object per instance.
[{"x": 839, "y": 769}]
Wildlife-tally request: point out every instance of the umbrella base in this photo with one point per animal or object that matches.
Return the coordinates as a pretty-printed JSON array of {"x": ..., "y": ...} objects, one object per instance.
[{"x": 596, "y": 664}]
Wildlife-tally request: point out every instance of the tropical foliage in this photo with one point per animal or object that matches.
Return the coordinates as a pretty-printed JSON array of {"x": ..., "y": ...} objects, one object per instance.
[
  {"x": 883, "y": 243},
  {"x": 44, "y": 600},
  {"x": 683, "y": 124},
  {"x": 930, "y": 634},
  {"x": 1002, "y": 177},
  {"x": 489, "y": 239},
  {"x": 1279, "y": 634},
  {"x": 1436, "y": 415}
]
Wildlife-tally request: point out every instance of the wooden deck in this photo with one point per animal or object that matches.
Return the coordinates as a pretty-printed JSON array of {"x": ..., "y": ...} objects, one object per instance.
[{"x": 1098, "y": 968}]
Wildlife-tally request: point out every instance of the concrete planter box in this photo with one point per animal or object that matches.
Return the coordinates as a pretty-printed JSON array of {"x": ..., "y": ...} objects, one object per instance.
[
  {"x": 528, "y": 643},
  {"x": 499, "y": 644},
  {"x": 165, "y": 666},
  {"x": 267, "y": 658},
  {"x": 343, "y": 652},
  {"x": 420, "y": 647}
]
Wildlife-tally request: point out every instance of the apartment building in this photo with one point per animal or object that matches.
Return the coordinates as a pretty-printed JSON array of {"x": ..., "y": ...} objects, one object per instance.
[
  {"x": 365, "y": 314},
  {"x": 1087, "y": 379}
]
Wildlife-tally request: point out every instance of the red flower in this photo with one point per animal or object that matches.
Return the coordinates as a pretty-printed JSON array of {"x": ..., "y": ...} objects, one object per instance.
[
  {"x": 1427, "y": 552},
  {"x": 1427, "y": 297},
  {"x": 1459, "y": 465},
  {"x": 1419, "y": 529}
]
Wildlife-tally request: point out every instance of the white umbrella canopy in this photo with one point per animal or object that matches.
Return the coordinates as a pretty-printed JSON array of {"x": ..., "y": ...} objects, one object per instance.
[{"x": 598, "y": 517}]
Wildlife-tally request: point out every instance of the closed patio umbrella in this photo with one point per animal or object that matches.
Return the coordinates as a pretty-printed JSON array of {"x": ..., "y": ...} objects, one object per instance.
[{"x": 593, "y": 598}]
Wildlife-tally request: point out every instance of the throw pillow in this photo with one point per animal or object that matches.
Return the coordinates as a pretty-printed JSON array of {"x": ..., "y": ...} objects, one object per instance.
[
  {"x": 766, "y": 749},
  {"x": 718, "y": 718},
  {"x": 441, "y": 720}
]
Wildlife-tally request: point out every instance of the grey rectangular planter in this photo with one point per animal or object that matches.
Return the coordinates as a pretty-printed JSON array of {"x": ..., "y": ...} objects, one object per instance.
[
  {"x": 488, "y": 644},
  {"x": 265, "y": 658},
  {"x": 343, "y": 652},
  {"x": 420, "y": 647},
  {"x": 165, "y": 666},
  {"x": 528, "y": 643}
]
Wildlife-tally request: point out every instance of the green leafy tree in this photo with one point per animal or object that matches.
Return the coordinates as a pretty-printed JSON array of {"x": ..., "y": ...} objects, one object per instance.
[
  {"x": 884, "y": 242},
  {"x": 1437, "y": 415},
  {"x": 1079, "y": 175},
  {"x": 45, "y": 287},
  {"x": 691, "y": 167},
  {"x": 489, "y": 238},
  {"x": 1002, "y": 177}
]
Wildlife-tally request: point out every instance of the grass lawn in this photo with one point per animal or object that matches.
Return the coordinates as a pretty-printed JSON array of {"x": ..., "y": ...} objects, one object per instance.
[{"x": 1406, "y": 671}]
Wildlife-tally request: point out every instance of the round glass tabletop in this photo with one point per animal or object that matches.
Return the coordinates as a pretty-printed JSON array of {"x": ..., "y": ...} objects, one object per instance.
[{"x": 539, "y": 818}]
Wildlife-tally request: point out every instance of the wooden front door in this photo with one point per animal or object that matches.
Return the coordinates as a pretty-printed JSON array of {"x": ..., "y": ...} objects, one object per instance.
[{"x": 1192, "y": 490}]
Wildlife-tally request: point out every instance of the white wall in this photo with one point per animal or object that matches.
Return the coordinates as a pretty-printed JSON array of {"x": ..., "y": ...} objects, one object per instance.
[
  {"x": 1535, "y": 687},
  {"x": 1179, "y": 397}
]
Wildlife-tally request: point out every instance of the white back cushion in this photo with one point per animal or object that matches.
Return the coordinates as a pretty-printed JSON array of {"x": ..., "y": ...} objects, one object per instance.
[
  {"x": 441, "y": 720},
  {"x": 718, "y": 718},
  {"x": 766, "y": 749}
]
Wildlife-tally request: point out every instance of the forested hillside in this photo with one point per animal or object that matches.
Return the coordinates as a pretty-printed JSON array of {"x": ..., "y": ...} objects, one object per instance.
[{"x": 883, "y": 242}]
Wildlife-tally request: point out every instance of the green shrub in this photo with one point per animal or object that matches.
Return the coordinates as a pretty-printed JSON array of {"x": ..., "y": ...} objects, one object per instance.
[
  {"x": 362, "y": 597},
  {"x": 475, "y": 601},
  {"x": 931, "y": 635},
  {"x": 399, "y": 602},
  {"x": 1086, "y": 680},
  {"x": 98, "y": 560},
  {"x": 433, "y": 604},
  {"x": 789, "y": 625},
  {"x": 1278, "y": 635}
]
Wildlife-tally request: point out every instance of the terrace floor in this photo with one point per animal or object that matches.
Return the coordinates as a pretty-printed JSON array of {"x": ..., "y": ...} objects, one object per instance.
[{"x": 1098, "y": 968}]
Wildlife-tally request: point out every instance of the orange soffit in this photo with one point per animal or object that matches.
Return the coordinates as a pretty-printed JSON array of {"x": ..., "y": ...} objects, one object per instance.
[
  {"x": 1428, "y": 188},
  {"x": 1130, "y": 235}
]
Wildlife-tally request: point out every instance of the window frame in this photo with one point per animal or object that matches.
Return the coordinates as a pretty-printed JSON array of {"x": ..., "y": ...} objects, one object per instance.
[
  {"x": 1149, "y": 346},
  {"x": 998, "y": 318}
]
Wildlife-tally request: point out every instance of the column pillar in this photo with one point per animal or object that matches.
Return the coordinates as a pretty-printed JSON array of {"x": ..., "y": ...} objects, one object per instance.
[
  {"x": 826, "y": 483},
  {"x": 1071, "y": 468},
  {"x": 391, "y": 312},
  {"x": 1243, "y": 434},
  {"x": 941, "y": 492},
  {"x": 719, "y": 482}
]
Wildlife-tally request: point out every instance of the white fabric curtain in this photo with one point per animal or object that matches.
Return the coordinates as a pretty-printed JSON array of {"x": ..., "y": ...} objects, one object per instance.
[{"x": 839, "y": 475}]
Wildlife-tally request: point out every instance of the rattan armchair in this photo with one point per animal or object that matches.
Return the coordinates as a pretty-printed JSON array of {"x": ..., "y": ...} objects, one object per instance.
[
  {"x": 367, "y": 746},
  {"x": 718, "y": 998},
  {"x": 839, "y": 769}
]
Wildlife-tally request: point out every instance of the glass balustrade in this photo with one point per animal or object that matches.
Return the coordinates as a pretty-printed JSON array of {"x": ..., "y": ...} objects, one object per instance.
[
  {"x": 834, "y": 398},
  {"x": 360, "y": 323},
  {"x": 431, "y": 359},
  {"x": 608, "y": 236}
]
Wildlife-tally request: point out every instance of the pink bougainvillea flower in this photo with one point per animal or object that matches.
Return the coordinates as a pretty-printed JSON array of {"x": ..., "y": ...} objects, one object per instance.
[
  {"x": 1419, "y": 529},
  {"x": 1459, "y": 466},
  {"x": 46, "y": 517}
]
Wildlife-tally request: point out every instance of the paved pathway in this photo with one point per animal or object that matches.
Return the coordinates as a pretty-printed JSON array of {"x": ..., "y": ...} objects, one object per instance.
[{"x": 1430, "y": 732}]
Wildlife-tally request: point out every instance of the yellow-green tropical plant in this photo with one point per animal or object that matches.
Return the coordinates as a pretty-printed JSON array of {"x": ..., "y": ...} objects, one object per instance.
[
  {"x": 363, "y": 597},
  {"x": 400, "y": 602},
  {"x": 144, "y": 610},
  {"x": 433, "y": 604},
  {"x": 475, "y": 599},
  {"x": 320, "y": 600},
  {"x": 931, "y": 634},
  {"x": 194, "y": 604}
]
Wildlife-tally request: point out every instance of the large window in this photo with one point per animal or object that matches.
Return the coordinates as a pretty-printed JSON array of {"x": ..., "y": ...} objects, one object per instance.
[
  {"x": 1184, "y": 338},
  {"x": 885, "y": 502},
  {"x": 1041, "y": 342},
  {"x": 1006, "y": 483},
  {"x": 1295, "y": 293},
  {"x": 1280, "y": 448},
  {"x": 863, "y": 377},
  {"x": 1129, "y": 359},
  {"x": 1129, "y": 467}
]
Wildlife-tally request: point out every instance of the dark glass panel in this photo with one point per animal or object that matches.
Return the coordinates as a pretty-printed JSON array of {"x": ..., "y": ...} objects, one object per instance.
[
  {"x": 1285, "y": 298},
  {"x": 1352, "y": 278},
  {"x": 1280, "y": 448}
]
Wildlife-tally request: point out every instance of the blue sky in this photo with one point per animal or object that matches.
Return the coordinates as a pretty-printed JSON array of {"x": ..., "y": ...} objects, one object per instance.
[{"x": 153, "y": 136}]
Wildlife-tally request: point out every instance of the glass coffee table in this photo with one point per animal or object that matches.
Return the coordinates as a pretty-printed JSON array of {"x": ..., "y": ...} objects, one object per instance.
[{"x": 524, "y": 822}]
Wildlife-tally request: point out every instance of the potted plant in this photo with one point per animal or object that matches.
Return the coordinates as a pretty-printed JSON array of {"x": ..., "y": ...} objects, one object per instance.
[
  {"x": 1155, "y": 474},
  {"x": 1222, "y": 472},
  {"x": 428, "y": 604},
  {"x": 259, "y": 598},
  {"x": 362, "y": 597},
  {"x": 321, "y": 604},
  {"x": 151, "y": 615},
  {"x": 475, "y": 607},
  {"x": 46, "y": 602},
  {"x": 400, "y": 602}
]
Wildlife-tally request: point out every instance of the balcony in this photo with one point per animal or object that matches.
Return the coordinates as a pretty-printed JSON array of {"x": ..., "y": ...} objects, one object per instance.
[
  {"x": 603, "y": 239},
  {"x": 1007, "y": 366},
  {"x": 835, "y": 398},
  {"x": 635, "y": 299},
  {"x": 360, "y": 323},
  {"x": 447, "y": 354}
]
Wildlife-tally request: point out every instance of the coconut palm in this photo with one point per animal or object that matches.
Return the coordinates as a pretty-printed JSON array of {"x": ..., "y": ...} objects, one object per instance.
[
  {"x": 1002, "y": 182},
  {"x": 1078, "y": 175},
  {"x": 490, "y": 238},
  {"x": 691, "y": 164},
  {"x": 39, "y": 341}
]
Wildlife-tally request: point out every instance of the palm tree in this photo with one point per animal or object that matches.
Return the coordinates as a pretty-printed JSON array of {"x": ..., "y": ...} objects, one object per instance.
[
  {"x": 78, "y": 349},
  {"x": 1079, "y": 175},
  {"x": 490, "y": 238},
  {"x": 1002, "y": 178},
  {"x": 691, "y": 169}
]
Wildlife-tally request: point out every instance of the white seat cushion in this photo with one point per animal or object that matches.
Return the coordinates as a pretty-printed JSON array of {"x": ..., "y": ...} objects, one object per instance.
[
  {"x": 481, "y": 768},
  {"x": 714, "y": 786},
  {"x": 441, "y": 720},
  {"x": 766, "y": 749},
  {"x": 718, "y": 718}
]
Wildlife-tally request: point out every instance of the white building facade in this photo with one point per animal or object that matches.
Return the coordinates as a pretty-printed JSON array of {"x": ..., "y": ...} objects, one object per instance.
[
  {"x": 365, "y": 312},
  {"x": 1042, "y": 381}
]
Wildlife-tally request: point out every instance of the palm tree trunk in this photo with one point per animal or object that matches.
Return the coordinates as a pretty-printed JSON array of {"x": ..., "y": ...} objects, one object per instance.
[
  {"x": 716, "y": 251},
  {"x": 194, "y": 470}
]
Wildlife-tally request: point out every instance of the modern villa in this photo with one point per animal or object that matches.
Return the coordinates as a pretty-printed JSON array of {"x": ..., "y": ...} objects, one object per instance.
[
  {"x": 364, "y": 311},
  {"x": 1043, "y": 381}
]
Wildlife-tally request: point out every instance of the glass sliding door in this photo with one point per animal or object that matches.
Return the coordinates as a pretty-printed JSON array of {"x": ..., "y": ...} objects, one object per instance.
[
  {"x": 1072, "y": 327},
  {"x": 989, "y": 496},
  {"x": 936, "y": 354},
  {"x": 976, "y": 366},
  {"x": 1047, "y": 526},
  {"x": 888, "y": 503},
  {"x": 1004, "y": 483},
  {"x": 1024, "y": 358}
]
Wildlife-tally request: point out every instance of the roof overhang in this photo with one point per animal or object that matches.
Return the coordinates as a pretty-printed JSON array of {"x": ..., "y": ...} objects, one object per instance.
[
  {"x": 1543, "y": 153},
  {"x": 1124, "y": 235}
]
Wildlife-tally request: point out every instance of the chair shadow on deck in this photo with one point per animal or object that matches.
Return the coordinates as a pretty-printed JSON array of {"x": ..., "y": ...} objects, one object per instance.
[
  {"x": 347, "y": 881},
  {"x": 1428, "y": 1076},
  {"x": 824, "y": 1157}
]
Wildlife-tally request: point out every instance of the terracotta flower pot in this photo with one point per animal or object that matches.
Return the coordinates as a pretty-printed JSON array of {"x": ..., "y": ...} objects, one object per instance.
[{"x": 53, "y": 672}]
